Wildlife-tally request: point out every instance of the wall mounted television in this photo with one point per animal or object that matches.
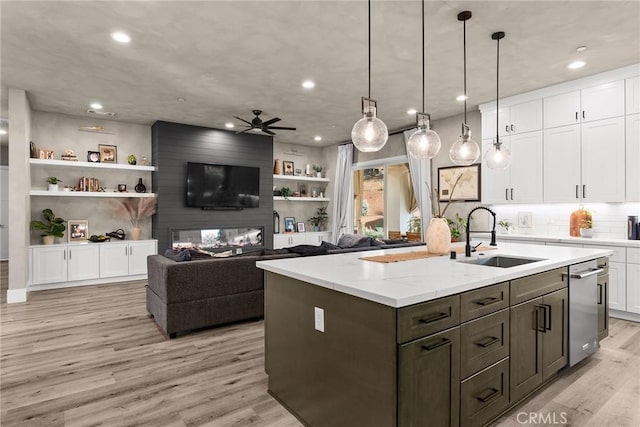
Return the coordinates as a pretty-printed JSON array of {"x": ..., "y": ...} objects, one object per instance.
[{"x": 211, "y": 186}]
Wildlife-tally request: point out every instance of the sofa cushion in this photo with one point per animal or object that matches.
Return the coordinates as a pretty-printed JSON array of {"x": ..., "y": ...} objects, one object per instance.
[
  {"x": 179, "y": 255},
  {"x": 328, "y": 245},
  {"x": 354, "y": 241},
  {"x": 308, "y": 250}
]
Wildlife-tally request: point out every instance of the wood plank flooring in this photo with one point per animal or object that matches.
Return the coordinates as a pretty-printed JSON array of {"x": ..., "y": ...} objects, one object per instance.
[{"x": 91, "y": 356}]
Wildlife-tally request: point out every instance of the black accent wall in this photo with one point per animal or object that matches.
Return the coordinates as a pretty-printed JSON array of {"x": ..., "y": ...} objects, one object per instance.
[{"x": 173, "y": 145}]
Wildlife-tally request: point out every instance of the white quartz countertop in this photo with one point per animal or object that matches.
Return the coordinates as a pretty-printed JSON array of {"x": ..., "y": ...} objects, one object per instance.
[
  {"x": 400, "y": 284},
  {"x": 568, "y": 239}
]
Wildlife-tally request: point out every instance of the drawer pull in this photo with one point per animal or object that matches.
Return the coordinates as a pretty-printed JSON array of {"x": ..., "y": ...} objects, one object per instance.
[
  {"x": 442, "y": 342},
  {"x": 434, "y": 318},
  {"x": 599, "y": 293},
  {"x": 488, "y": 342},
  {"x": 487, "y": 301},
  {"x": 485, "y": 397}
]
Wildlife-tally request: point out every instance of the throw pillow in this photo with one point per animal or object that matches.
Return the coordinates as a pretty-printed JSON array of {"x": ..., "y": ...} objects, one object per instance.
[
  {"x": 353, "y": 241},
  {"x": 328, "y": 245},
  {"x": 308, "y": 250},
  {"x": 178, "y": 256}
]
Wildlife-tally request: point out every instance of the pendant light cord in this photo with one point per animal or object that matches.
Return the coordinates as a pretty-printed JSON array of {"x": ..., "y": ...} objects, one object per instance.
[
  {"x": 423, "y": 72},
  {"x": 497, "y": 92},
  {"x": 369, "y": 26},
  {"x": 464, "y": 49}
]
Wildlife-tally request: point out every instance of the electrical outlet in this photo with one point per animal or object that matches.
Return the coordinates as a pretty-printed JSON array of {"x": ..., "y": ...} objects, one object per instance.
[{"x": 319, "y": 318}]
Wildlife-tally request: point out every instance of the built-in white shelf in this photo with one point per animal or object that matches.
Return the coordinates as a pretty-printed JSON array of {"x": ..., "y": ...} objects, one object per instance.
[
  {"x": 300, "y": 199},
  {"x": 72, "y": 164},
  {"x": 299, "y": 178},
  {"x": 88, "y": 194}
]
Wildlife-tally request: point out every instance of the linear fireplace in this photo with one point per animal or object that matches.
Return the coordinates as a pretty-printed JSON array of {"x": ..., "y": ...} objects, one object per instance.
[{"x": 219, "y": 239}]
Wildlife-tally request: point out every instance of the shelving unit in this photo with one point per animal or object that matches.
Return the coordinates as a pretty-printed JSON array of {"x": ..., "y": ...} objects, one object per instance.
[
  {"x": 299, "y": 178},
  {"x": 87, "y": 194},
  {"x": 300, "y": 199},
  {"x": 71, "y": 164}
]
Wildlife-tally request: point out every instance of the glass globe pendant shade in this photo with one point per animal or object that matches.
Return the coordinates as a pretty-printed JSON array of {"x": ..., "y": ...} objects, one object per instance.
[
  {"x": 497, "y": 157},
  {"x": 424, "y": 143},
  {"x": 465, "y": 151},
  {"x": 369, "y": 134}
]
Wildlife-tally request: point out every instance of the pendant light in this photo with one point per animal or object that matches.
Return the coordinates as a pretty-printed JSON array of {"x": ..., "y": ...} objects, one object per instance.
[
  {"x": 369, "y": 134},
  {"x": 497, "y": 156},
  {"x": 465, "y": 151},
  {"x": 424, "y": 143}
]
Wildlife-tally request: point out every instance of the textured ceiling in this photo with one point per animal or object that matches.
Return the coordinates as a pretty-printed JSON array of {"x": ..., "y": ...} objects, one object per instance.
[{"x": 229, "y": 57}]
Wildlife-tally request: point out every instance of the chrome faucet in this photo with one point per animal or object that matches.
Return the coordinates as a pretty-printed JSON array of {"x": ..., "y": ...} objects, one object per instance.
[{"x": 467, "y": 247}]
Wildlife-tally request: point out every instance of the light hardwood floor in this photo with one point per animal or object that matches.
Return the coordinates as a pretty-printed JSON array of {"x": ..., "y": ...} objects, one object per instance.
[{"x": 92, "y": 356}]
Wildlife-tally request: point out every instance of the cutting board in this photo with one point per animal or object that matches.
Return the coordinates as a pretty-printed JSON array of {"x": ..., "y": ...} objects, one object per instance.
[{"x": 409, "y": 256}]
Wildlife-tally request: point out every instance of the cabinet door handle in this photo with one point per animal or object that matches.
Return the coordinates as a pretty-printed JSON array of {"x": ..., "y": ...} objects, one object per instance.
[
  {"x": 126, "y": 250},
  {"x": 512, "y": 194},
  {"x": 599, "y": 293},
  {"x": 583, "y": 117},
  {"x": 487, "y": 342},
  {"x": 506, "y": 128},
  {"x": 440, "y": 343},
  {"x": 576, "y": 116},
  {"x": 487, "y": 395},
  {"x": 69, "y": 254},
  {"x": 584, "y": 191},
  {"x": 487, "y": 301},
  {"x": 506, "y": 194},
  {"x": 538, "y": 327},
  {"x": 577, "y": 191},
  {"x": 513, "y": 128},
  {"x": 434, "y": 318},
  {"x": 547, "y": 312},
  {"x": 64, "y": 255}
]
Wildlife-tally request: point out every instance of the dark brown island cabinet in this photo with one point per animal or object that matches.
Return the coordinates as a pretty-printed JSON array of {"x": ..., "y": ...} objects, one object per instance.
[{"x": 461, "y": 360}]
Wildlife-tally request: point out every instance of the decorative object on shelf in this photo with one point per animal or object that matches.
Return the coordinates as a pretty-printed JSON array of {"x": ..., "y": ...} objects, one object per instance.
[
  {"x": 89, "y": 184},
  {"x": 140, "y": 187},
  {"x": 98, "y": 238},
  {"x": 369, "y": 134},
  {"x": 33, "y": 151},
  {"x": 414, "y": 232},
  {"x": 122, "y": 188},
  {"x": 319, "y": 219},
  {"x": 117, "y": 234},
  {"x": 525, "y": 219},
  {"x": 497, "y": 156},
  {"x": 314, "y": 191},
  {"x": 297, "y": 172},
  {"x": 135, "y": 209},
  {"x": 78, "y": 230},
  {"x": 144, "y": 161},
  {"x": 276, "y": 222},
  {"x": 108, "y": 153},
  {"x": 586, "y": 225},
  {"x": 465, "y": 151},
  {"x": 69, "y": 155},
  {"x": 131, "y": 159},
  {"x": 276, "y": 167},
  {"x": 286, "y": 192},
  {"x": 468, "y": 186},
  {"x": 506, "y": 225},
  {"x": 302, "y": 189},
  {"x": 300, "y": 227},
  {"x": 93, "y": 156},
  {"x": 457, "y": 226},
  {"x": 289, "y": 224},
  {"x": 46, "y": 154},
  {"x": 307, "y": 170},
  {"x": 53, "y": 183},
  {"x": 318, "y": 170},
  {"x": 51, "y": 227},
  {"x": 288, "y": 167},
  {"x": 424, "y": 143}
]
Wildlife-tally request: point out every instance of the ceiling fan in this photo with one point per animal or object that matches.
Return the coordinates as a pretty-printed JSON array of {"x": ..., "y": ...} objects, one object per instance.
[{"x": 257, "y": 123}]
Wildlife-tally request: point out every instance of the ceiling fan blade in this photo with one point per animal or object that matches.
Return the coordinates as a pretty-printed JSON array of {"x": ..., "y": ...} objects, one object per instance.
[
  {"x": 268, "y": 122},
  {"x": 280, "y": 127},
  {"x": 245, "y": 130},
  {"x": 267, "y": 131},
  {"x": 249, "y": 123}
]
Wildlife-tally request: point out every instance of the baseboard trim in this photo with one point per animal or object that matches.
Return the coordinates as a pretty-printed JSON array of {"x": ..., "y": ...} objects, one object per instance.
[
  {"x": 624, "y": 315},
  {"x": 16, "y": 295}
]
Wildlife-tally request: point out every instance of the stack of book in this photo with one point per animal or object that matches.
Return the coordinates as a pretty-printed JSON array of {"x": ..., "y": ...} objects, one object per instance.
[
  {"x": 88, "y": 184},
  {"x": 70, "y": 157}
]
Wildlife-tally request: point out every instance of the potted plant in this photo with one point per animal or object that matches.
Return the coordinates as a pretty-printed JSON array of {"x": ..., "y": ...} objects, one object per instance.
[
  {"x": 319, "y": 219},
  {"x": 318, "y": 170},
  {"x": 53, "y": 183},
  {"x": 506, "y": 225},
  {"x": 414, "y": 232},
  {"x": 286, "y": 192},
  {"x": 586, "y": 226},
  {"x": 51, "y": 227},
  {"x": 132, "y": 159},
  {"x": 135, "y": 209},
  {"x": 458, "y": 225}
]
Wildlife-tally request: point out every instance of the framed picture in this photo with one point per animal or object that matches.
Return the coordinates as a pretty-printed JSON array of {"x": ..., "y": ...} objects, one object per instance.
[
  {"x": 108, "y": 153},
  {"x": 525, "y": 219},
  {"x": 468, "y": 188},
  {"x": 78, "y": 230},
  {"x": 301, "y": 227},
  {"x": 287, "y": 167},
  {"x": 93, "y": 156},
  {"x": 289, "y": 224},
  {"x": 302, "y": 189},
  {"x": 298, "y": 172}
]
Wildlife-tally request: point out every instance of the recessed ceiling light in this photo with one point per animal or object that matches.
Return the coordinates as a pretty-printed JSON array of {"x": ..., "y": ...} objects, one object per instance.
[
  {"x": 411, "y": 111},
  {"x": 581, "y": 48},
  {"x": 317, "y": 138},
  {"x": 120, "y": 37},
  {"x": 308, "y": 84},
  {"x": 229, "y": 125},
  {"x": 576, "y": 64},
  {"x": 180, "y": 99},
  {"x": 460, "y": 98},
  {"x": 96, "y": 106},
  {"x": 3, "y": 132}
]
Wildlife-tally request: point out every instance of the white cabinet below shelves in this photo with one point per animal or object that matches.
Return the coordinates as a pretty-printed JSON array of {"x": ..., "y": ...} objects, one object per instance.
[
  {"x": 286, "y": 240},
  {"x": 82, "y": 262},
  {"x": 49, "y": 264},
  {"x": 114, "y": 260},
  {"x": 138, "y": 252}
]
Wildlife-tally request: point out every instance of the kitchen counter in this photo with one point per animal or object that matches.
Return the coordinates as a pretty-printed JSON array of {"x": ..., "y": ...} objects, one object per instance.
[
  {"x": 405, "y": 283},
  {"x": 568, "y": 239}
]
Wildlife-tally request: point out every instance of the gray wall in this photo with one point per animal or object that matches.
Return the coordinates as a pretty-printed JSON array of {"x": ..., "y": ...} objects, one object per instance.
[{"x": 174, "y": 145}]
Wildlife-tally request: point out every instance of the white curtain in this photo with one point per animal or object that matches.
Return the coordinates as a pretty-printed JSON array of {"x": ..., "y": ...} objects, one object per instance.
[
  {"x": 343, "y": 193},
  {"x": 420, "y": 173}
]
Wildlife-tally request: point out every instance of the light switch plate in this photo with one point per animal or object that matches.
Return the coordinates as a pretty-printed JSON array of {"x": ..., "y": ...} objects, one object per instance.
[{"x": 319, "y": 318}]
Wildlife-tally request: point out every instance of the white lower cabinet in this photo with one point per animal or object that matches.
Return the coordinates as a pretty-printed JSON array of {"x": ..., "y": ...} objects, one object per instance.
[
  {"x": 114, "y": 260},
  {"x": 138, "y": 253},
  {"x": 49, "y": 264},
  {"x": 309, "y": 238},
  {"x": 633, "y": 280},
  {"x": 617, "y": 286},
  {"x": 82, "y": 262}
]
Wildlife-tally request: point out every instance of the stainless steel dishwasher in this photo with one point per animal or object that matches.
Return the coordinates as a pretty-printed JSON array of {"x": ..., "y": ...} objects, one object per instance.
[{"x": 583, "y": 310}]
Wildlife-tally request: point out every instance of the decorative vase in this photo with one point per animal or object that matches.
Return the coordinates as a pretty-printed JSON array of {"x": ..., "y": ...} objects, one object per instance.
[
  {"x": 140, "y": 188},
  {"x": 53, "y": 187},
  {"x": 48, "y": 240},
  {"x": 438, "y": 236},
  {"x": 136, "y": 233},
  {"x": 586, "y": 232},
  {"x": 316, "y": 228},
  {"x": 319, "y": 174},
  {"x": 276, "y": 167}
]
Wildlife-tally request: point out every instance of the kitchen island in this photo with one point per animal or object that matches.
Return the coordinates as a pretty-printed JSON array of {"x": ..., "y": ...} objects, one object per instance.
[{"x": 430, "y": 341}]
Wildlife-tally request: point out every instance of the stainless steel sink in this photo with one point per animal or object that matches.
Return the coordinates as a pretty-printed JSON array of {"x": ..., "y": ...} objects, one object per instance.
[{"x": 502, "y": 261}]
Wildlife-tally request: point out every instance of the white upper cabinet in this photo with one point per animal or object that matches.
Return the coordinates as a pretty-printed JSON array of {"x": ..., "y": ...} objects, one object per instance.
[
  {"x": 514, "y": 119},
  {"x": 633, "y": 95},
  {"x": 633, "y": 158},
  {"x": 562, "y": 164},
  {"x": 603, "y": 160},
  {"x": 562, "y": 110},
  {"x": 603, "y": 101},
  {"x": 495, "y": 183}
]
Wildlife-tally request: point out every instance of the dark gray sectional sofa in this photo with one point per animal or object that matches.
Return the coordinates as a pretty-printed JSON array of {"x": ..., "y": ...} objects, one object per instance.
[{"x": 182, "y": 296}]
